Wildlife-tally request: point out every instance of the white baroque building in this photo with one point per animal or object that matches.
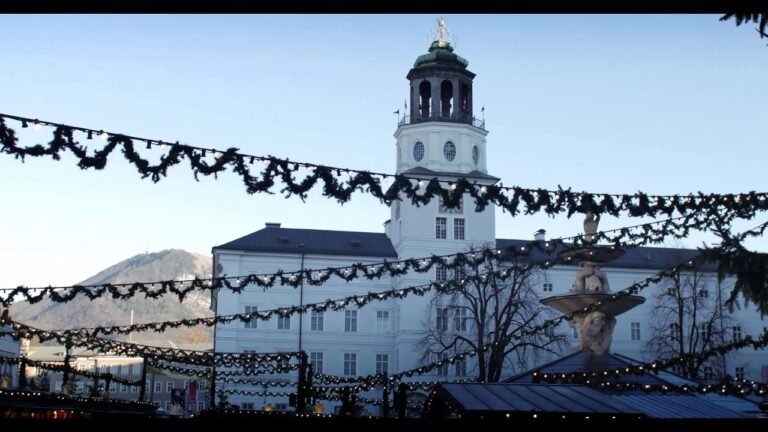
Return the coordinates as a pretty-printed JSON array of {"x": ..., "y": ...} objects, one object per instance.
[{"x": 438, "y": 137}]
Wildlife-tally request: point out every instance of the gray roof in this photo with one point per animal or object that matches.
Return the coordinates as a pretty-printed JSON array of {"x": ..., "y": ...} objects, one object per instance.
[
  {"x": 274, "y": 239},
  {"x": 560, "y": 398},
  {"x": 679, "y": 406},
  {"x": 478, "y": 398},
  {"x": 426, "y": 172},
  {"x": 589, "y": 361},
  {"x": 656, "y": 405},
  {"x": 316, "y": 242},
  {"x": 654, "y": 258}
]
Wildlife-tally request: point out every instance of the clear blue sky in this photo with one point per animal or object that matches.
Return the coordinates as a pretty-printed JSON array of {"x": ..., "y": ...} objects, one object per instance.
[{"x": 663, "y": 104}]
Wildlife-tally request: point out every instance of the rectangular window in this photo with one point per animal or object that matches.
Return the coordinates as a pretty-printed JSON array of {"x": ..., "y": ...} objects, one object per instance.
[
  {"x": 442, "y": 319},
  {"x": 112, "y": 387},
  {"x": 635, "y": 331},
  {"x": 382, "y": 363},
  {"x": 316, "y": 360},
  {"x": 442, "y": 370},
  {"x": 130, "y": 369},
  {"x": 119, "y": 369},
  {"x": 460, "y": 319},
  {"x": 247, "y": 406},
  {"x": 283, "y": 365},
  {"x": 703, "y": 293},
  {"x": 316, "y": 321},
  {"x": 458, "y": 229},
  {"x": 739, "y": 373},
  {"x": 80, "y": 366},
  {"x": 158, "y": 386},
  {"x": 547, "y": 287},
  {"x": 709, "y": 373},
  {"x": 168, "y": 386},
  {"x": 124, "y": 388},
  {"x": 382, "y": 322},
  {"x": 459, "y": 274},
  {"x": 441, "y": 273},
  {"x": 249, "y": 365},
  {"x": 200, "y": 406},
  {"x": 705, "y": 330},
  {"x": 350, "y": 364},
  {"x": 283, "y": 322},
  {"x": 350, "y": 321},
  {"x": 254, "y": 322},
  {"x": 461, "y": 368},
  {"x": 441, "y": 228},
  {"x": 167, "y": 406},
  {"x": 736, "y": 333}
]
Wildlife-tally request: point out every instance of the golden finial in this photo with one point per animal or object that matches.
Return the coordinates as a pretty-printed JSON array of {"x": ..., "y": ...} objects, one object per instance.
[{"x": 441, "y": 30}]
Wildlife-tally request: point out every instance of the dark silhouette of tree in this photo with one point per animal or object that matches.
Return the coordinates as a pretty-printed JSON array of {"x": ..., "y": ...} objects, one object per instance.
[
  {"x": 749, "y": 267},
  {"x": 485, "y": 307},
  {"x": 761, "y": 19},
  {"x": 688, "y": 318}
]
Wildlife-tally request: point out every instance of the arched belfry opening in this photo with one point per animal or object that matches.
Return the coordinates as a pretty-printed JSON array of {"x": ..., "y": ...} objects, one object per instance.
[
  {"x": 425, "y": 99},
  {"x": 465, "y": 101},
  {"x": 446, "y": 99}
]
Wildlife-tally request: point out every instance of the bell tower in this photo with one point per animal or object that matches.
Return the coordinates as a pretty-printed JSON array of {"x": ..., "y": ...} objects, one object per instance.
[{"x": 439, "y": 136}]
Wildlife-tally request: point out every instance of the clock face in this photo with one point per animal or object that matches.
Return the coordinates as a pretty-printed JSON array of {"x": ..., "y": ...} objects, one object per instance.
[{"x": 418, "y": 151}]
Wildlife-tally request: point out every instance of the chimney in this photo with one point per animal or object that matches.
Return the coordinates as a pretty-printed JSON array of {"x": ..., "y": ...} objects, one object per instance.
[
  {"x": 272, "y": 224},
  {"x": 540, "y": 235}
]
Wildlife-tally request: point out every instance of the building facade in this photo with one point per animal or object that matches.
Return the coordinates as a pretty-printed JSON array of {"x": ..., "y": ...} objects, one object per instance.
[
  {"x": 440, "y": 137},
  {"x": 9, "y": 349},
  {"x": 160, "y": 384}
]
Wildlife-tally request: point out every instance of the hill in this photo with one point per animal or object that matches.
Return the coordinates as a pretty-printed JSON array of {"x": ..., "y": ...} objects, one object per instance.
[{"x": 148, "y": 267}]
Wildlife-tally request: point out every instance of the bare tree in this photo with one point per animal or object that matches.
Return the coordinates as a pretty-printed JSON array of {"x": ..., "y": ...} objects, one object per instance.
[
  {"x": 688, "y": 318},
  {"x": 492, "y": 302}
]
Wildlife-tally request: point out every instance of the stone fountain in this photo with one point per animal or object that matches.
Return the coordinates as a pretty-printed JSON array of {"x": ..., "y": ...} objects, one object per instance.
[{"x": 596, "y": 326}]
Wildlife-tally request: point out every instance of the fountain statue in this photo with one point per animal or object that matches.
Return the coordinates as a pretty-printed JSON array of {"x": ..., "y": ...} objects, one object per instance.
[{"x": 595, "y": 325}]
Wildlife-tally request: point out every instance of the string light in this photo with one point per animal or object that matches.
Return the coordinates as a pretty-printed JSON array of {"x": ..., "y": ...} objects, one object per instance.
[{"x": 565, "y": 200}]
